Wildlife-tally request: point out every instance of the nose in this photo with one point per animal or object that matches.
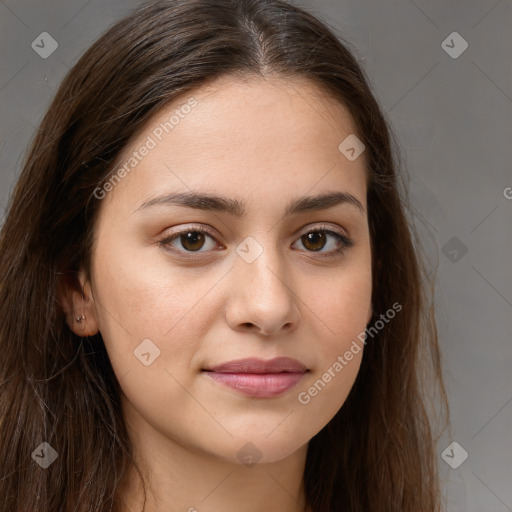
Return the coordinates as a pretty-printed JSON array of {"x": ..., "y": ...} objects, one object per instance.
[{"x": 262, "y": 295}]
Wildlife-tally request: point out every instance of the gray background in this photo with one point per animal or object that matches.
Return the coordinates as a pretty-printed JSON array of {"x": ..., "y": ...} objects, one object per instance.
[{"x": 453, "y": 117}]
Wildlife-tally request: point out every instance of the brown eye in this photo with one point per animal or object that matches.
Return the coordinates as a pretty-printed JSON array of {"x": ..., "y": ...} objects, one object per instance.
[
  {"x": 314, "y": 241},
  {"x": 191, "y": 240}
]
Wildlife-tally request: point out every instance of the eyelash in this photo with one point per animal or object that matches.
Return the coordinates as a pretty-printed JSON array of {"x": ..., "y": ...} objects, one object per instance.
[{"x": 343, "y": 241}]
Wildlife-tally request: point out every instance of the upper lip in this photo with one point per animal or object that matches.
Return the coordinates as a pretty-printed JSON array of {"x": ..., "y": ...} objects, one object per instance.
[{"x": 256, "y": 365}]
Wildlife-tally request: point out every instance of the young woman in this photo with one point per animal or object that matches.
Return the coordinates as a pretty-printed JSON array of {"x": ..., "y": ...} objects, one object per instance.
[{"x": 210, "y": 298}]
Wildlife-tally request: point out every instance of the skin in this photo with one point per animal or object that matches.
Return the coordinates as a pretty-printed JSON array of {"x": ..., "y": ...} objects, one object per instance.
[{"x": 263, "y": 141}]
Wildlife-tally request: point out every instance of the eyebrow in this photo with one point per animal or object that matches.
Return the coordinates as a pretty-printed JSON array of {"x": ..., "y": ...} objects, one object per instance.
[{"x": 237, "y": 208}]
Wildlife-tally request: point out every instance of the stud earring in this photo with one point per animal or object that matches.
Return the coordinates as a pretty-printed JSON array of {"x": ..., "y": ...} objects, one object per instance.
[{"x": 79, "y": 319}]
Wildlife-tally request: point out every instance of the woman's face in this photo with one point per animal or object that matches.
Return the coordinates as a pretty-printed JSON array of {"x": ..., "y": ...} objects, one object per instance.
[{"x": 267, "y": 284}]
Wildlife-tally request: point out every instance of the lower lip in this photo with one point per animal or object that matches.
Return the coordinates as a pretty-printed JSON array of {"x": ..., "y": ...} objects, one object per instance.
[{"x": 259, "y": 385}]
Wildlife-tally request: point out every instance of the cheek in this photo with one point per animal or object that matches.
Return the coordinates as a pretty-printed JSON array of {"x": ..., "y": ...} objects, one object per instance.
[
  {"x": 341, "y": 308},
  {"x": 141, "y": 300},
  {"x": 341, "y": 311},
  {"x": 325, "y": 392}
]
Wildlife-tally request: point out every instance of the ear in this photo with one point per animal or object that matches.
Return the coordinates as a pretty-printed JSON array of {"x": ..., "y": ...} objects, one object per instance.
[{"x": 77, "y": 301}]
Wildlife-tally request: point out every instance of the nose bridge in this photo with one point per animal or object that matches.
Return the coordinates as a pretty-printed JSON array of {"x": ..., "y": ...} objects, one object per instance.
[
  {"x": 260, "y": 260},
  {"x": 264, "y": 293}
]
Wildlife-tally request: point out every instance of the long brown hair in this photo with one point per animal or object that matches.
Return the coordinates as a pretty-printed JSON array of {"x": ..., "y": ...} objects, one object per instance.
[{"x": 378, "y": 452}]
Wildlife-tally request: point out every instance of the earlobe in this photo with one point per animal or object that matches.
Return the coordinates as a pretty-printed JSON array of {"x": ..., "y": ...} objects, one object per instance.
[{"x": 77, "y": 304}]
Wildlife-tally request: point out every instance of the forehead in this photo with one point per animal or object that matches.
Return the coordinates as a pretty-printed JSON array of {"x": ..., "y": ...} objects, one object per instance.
[
  {"x": 274, "y": 135},
  {"x": 253, "y": 110}
]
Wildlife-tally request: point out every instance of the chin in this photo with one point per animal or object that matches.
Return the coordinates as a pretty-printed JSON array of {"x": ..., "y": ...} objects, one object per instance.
[{"x": 265, "y": 450}]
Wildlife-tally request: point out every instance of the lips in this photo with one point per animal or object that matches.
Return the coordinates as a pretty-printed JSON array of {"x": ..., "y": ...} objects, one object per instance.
[
  {"x": 254, "y": 365},
  {"x": 259, "y": 378}
]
